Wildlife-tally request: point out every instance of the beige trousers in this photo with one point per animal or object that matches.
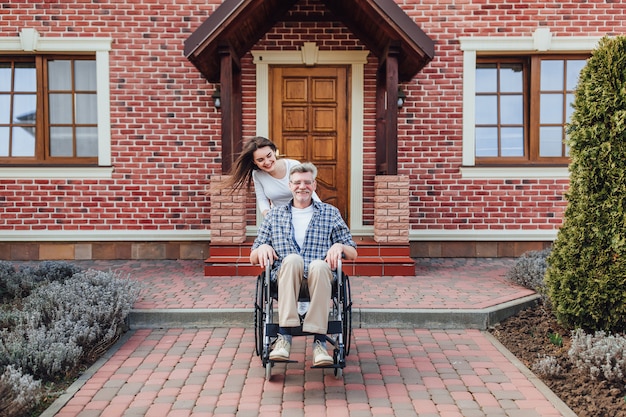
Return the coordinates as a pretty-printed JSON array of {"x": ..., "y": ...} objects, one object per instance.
[{"x": 320, "y": 288}]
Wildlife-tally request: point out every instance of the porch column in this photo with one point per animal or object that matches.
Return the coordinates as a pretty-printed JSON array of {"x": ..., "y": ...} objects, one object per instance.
[
  {"x": 391, "y": 209},
  {"x": 228, "y": 213}
]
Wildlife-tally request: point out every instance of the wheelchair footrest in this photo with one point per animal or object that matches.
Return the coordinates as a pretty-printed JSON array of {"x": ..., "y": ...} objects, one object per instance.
[
  {"x": 334, "y": 327},
  {"x": 287, "y": 361},
  {"x": 335, "y": 365}
]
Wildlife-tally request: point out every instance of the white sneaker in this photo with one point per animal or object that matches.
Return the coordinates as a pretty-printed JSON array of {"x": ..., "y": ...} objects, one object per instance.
[
  {"x": 320, "y": 356},
  {"x": 281, "y": 350}
]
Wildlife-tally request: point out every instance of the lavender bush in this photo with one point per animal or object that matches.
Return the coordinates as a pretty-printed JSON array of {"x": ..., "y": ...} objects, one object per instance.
[
  {"x": 602, "y": 355},
  {"x": 59, "y": 318},
  {"x": 529, "y": 271},
  {"x": 18, "y": 392}
]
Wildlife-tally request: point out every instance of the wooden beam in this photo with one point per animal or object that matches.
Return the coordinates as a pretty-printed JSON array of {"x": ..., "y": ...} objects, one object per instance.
[
  {"x": 387, "y": 112},
  {"x": 230, "y": 88},
  {"x": 391, "y": 81}
]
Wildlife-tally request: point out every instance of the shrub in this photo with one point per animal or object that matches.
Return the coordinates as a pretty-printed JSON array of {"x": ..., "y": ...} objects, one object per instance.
[
  {"x": 63, "y": 323},
  {"x": 548, "y": 366},
  {"x": 18, "y": 283},
  {"x": 586, "y": 275},
  {"x": 601, "y": 355},
  {"x": 9, "y": 280},
  {"x": 529, "y": 270},
  {"x": 19, "y": 393}
]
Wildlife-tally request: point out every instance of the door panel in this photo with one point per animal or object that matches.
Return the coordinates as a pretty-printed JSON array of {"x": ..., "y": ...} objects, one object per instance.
[{"x": 308, "y": 116}]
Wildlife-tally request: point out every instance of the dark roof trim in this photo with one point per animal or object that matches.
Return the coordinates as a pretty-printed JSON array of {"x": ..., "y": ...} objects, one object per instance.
[
  {"x": 415, "y": 34},
  {"x": 239, "y": 24},
  {"x": 217, "y": 20}
]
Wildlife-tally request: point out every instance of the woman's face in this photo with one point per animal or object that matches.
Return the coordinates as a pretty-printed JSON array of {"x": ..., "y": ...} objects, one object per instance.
[{"x": 265, "y": 159}]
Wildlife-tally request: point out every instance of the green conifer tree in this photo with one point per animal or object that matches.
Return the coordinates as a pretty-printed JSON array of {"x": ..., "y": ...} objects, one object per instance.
[{"x": 586, "y": 274}]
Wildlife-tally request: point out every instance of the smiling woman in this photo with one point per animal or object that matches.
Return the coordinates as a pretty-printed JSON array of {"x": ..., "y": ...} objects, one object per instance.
[{"x": 258, "y": 163}]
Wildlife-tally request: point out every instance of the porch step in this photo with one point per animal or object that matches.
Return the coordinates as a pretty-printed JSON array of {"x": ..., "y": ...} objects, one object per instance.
[{"x": 375, "y": 259}]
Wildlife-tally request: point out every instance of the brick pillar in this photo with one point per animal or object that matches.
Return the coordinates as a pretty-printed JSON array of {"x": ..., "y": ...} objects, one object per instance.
[
  {"x": 228, "y": 213},
  {"x": 391, "y": 209}
]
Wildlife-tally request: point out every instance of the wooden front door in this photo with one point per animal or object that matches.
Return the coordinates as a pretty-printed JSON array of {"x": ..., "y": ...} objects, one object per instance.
[{"x": 309, "y": 122}]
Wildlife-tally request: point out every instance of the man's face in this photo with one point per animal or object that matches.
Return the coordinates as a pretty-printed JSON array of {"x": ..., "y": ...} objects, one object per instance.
[{"x": 302, "y": 186}]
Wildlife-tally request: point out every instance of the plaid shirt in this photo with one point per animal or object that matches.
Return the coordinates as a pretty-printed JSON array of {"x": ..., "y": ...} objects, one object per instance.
[{"x": 325, "y": 229}]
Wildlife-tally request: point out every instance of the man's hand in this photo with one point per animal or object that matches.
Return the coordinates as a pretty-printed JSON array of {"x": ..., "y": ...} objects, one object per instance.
[
  {"x": 263, "y": 255},
  {"x": 332, "y": 256}
]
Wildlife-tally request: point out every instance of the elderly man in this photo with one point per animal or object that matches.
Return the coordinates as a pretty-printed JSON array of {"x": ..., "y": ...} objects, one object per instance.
[{"x": 303, "y": 241}]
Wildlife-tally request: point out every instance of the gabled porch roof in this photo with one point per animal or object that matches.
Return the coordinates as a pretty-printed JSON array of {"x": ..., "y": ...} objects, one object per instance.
[{"x": 239, "y": 24}]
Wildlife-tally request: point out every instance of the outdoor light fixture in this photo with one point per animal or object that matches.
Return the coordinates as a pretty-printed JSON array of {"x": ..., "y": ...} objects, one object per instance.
[
  {"x": 217, "y": 98},
  {"x": 401, "y": 98}
]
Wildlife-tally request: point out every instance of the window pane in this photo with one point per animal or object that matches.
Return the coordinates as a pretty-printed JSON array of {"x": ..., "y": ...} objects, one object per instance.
[
  {"x": 552, "y": 75},
  {"x": 512, "y": 141},
  {"x": 61, "y": 141},
  {"x": 574, "y": 67},
  {"x": 5, "y": 108},
  {"x": 512, "y": 109},
  {"x": 60, "y": 75},
  {"x": 5, "y": 76},
  {"x": 23, "y": 142},
  {"x": 25, "y": 77},
  {"x": 486, "y": 78},
  {"x": 551, "y": 110},
  {"x": 86, "y": 109},
  {"x": 486, "y": 141},
  {"x": 4, "y": 141},
  {"x": 550, "y": 141},
  {"x": 86, "y": 141},
  {"x": 85, "y": 75},
  {"x": 511, "y": 79},
  {"x": 568, "y": 106},
  {"x": 24, "y": 108},
  {"x": 60, "y": 108},
  {"x": 486, "y": 110}
]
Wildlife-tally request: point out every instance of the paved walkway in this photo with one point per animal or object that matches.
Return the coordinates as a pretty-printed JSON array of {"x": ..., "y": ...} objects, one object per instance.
[{"x": 391, "y": 370}]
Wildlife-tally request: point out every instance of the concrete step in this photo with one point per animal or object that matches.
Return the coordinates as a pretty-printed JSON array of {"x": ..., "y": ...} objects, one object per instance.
[{"x": 361, "y": 317}]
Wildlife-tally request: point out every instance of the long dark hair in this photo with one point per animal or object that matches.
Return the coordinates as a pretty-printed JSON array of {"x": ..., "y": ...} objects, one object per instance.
[{"x": 241, "y": 172}]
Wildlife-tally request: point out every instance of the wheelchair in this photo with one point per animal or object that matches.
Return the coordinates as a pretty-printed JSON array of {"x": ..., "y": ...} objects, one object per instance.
[{"x": 339, "y": 322}]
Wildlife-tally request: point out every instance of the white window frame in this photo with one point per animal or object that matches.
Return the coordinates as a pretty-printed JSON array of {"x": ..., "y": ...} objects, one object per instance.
[
  {"x": 31, "y": 42},
  {"x": 541, "y": 41}
]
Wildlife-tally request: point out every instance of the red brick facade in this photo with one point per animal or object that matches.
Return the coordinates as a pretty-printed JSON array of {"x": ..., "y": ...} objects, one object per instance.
[{"x": 165, "y": 135}]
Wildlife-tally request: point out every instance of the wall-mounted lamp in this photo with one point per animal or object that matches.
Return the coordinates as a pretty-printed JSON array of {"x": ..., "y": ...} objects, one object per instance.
[
  {"x": 401, "y": 98},
  {"x": 217, "y": 98}
]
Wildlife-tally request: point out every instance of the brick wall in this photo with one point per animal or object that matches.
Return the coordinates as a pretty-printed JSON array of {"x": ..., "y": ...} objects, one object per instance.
[
  {"x": 391, "y": 209},
  {"x": 166, "y": 131},
  {"x": 228, "y": 223}
]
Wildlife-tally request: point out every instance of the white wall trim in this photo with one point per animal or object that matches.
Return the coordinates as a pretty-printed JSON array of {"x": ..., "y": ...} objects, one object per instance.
[
  {"x": 56, "y": 173},
  {"x": 104, "y": 235},
  {"x": 311, "y": 55},
  {"x": 515, "y": 172},
  {"x": 490, "y": 235},
  {"x": 30, "y": 41}
]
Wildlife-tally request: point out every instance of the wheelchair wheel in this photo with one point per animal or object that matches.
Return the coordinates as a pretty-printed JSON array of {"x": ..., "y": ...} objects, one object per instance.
[
  {"x": 258, "y": 315},
  {"x": 347, "y": 314}
]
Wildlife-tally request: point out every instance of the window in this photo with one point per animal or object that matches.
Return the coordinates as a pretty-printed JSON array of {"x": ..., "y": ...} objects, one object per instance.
[
  {"x": 517, "y": 95},
  {"x": 522, "y": 107},
  {"x": 50, "y": 114},
  {"x": 55, "y": 117}
]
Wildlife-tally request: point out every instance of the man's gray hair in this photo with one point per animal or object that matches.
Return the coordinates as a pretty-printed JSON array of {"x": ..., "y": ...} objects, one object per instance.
[{"x": 302, "y": 168}]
